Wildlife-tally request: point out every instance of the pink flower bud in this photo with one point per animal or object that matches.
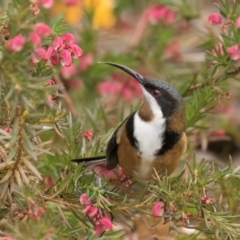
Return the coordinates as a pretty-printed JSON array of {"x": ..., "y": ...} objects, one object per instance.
[
  {"x": 84, "y": 199},
  {"x": 88, "y": 134},
  {"x": 158, "y": 209},
  {"x": 93, "y": 212},
  {"x": 7, "y": 129},
  {"x": 42, "y": 29},
  {"x": 46, "y": 3},
  {"x": 66, "y": 58},
  {"x": 16, "y": 43},
  {"x": 106, "y": 223},
  {"x": 38, "y": 55},
  {"x": 57, "y": 44},
  {"x": 233, "y": 51},
  {"x": 68, "y": 38},
  {"x": 237, "y": 24},
  {"x": 98, "y": 229},
  {"x": 35, "y": 39},
  {"x": 85, "y": 61},
  {"x": 50, "y": 82},
  {"x": 87, "y": 210},
  {"x": 68, "y": 72},
  {"x": 215, "y": 18}
]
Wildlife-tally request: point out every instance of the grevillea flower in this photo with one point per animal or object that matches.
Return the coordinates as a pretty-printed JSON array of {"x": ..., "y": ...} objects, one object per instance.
[
  {"x": 35, "y": 39},
  {"x": 234, "y": 52},
  {"x": 158, "y": 209},
  {"x": 160, "y": 13},
  {"x": 215, "y": 18},
  {"x": 68, "y": 38},
  {"x": 38, "y": 54},
  {"x": 7, "y": 129},
  {"x": 87, "y": 134},
  {"x": 85, "y": 61},
  {"x": 65, "y": 58},
  {"x": 57, "y": 44},
  {"x": 68, "y": 72},
  {"x": 84, "y": 199},
  {"x": 75, "y": 50},
  {"x": 237, "y": 24},
  {"x": 16, "y": 43},
  {"x": 102, "y": 171},
  {"x": 46, "y": 3},
  {"x": 42, "y": 29}
]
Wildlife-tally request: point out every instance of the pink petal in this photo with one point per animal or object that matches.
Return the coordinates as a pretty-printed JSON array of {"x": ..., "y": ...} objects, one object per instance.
[
  {"x": 84, "y": 199},
  {"x": 35, "y": 39},
  {"x": 46, "y": 3},
  {"x": 66, "y": 58},
  {"x": 68, "y": 38},
  {"x": 75, "y": 50},
  {"x": 215, "y": 18},
  {"x": 42, "y": 29},
  {"x": 98, "y": 229},
  {"x": 158, "y": 209},
  {"x": 57, "y": 44},
  {"x": 237, "y": 24},
  {"x": 38, "y": 54},
  {"x": 16, "y": 43},
  {"x": 106, "y": 223}
]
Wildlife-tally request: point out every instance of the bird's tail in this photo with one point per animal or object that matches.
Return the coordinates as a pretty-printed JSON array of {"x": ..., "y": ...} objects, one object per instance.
[{"x": 90, "y": 160}]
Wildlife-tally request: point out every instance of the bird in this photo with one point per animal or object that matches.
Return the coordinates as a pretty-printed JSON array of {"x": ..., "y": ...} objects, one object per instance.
[{"x": 152, "y": 138}]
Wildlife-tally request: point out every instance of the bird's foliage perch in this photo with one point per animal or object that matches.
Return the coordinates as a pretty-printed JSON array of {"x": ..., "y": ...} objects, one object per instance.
[{"x": 57, "y": 104}]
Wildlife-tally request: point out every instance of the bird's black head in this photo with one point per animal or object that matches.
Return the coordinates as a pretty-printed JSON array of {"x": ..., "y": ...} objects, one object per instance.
[{"x": 157, "y": 91}]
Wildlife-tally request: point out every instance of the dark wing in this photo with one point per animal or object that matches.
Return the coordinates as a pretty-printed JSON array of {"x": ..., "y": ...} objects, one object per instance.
[{"x": 112, "y": 148}]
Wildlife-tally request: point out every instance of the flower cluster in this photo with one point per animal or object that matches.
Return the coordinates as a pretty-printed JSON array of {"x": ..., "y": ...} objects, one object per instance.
[
  {"x": 233, "y": 50},
  {"x": 87, "y": 134},
  {"x": 205, "y": 199},
  {"x": 99, "y": 218},
  {"x": 35, "y": 211},
  {"x": 160, "y": 13},
  {"x": 62, "y": 49},
  {"x": 115, "y": 176}
]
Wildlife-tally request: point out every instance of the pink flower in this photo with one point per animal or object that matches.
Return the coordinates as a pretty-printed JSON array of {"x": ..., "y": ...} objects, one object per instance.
[
  {"x": 16, "y": 43},
  {"x": 38, "y": 54},
  {"x": 215, "y": 18},
  {"x": 68, "y": 38},
  {"x": 66, "y": 58},
  {"x": 158, "y": 209},
  {"x": 237, "y": 24},
  {"x": 234, "y": 52},
  {"x": 35, "y": 38},
  {"x": 220, "y": 132},
  {"x": 84, "y": 199},
  {"x": 42, "y": 29},
  {"x": 49, "y": 181},
  {"x": 218, "y": 49},
  {"x": 57, "y": 44},
  {"x": 68, "y": 72},
  {"x": 106, "y": 223},
  {"x": 160, "y": 13},
  {"x": 87, "y": 134},
  {"x": 46, "y": 3},
  {"x": 85, "y": 61},
  {"x": 98, "y": 229},
  {"x": 75, "y": 50},
  {"x": 102, "y": 171},
  {"x": 71, "y": 2},
  {"x": 7, "y": 129}
]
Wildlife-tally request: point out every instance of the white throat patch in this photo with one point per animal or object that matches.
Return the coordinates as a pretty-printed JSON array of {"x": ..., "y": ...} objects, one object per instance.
[{"x": 149, "y": 135}]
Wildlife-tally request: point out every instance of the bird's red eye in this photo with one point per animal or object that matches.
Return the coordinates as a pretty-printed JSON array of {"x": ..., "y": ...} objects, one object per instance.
[{"x": 156, "y": 93}]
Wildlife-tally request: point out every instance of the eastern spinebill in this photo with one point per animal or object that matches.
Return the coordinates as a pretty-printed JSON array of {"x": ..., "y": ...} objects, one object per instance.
[{"x": 150, "y": 138}]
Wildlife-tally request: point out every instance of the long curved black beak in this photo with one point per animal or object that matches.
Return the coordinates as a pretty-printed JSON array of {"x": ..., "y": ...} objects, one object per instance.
[{"x": 131, "y": 72}]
